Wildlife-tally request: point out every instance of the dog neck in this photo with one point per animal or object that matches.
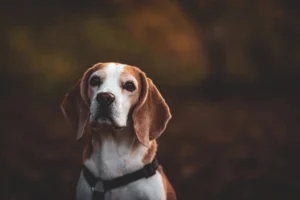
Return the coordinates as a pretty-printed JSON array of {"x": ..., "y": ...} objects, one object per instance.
[{"x": 115, "y": 153}]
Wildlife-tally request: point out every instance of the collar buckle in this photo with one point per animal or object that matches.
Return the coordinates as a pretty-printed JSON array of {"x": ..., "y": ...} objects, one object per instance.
[{"x": 98, "y": 187}]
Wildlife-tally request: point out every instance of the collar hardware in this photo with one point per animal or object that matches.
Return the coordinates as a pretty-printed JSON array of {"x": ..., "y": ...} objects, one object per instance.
[{"x": 100, "y": 187}]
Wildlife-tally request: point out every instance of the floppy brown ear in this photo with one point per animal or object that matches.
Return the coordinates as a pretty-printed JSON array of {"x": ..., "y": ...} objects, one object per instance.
[
  {"x": 75, "y": 109},
  {"x": 151, "y": 114}
]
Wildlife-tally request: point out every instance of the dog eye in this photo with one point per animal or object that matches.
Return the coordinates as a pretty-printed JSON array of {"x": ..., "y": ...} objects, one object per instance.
[
  {"x": 129, "y": 86},
  {"x": 95, "y": 81}
]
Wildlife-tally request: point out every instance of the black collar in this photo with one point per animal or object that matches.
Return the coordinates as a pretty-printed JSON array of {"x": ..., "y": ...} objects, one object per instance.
[{"x": 99, "y": 187}]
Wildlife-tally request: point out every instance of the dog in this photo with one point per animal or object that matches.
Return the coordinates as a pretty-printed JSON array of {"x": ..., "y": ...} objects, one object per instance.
[{"x": 122, "y": 113}]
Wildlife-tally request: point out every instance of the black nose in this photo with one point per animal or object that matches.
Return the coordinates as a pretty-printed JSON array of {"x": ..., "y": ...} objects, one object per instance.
[{"x": 105, "y": 98}]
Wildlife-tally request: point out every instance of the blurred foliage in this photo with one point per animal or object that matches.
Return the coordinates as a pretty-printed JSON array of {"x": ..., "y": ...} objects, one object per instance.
[
  {"x": 198, "y": 40},
  {"x": 243, "y": 146},
  {"x": 192, "y": 42}
]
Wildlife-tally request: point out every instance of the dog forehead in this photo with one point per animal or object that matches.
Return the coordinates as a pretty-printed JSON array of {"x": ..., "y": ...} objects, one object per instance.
[
  {"x": 131, "y": 71},
  {"x": 108, "y": 70},
  {"x": 116, "y": 71}
]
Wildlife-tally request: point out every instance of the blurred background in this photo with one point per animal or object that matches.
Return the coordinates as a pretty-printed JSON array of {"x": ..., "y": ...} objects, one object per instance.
[{"x": 229, "y": 71}]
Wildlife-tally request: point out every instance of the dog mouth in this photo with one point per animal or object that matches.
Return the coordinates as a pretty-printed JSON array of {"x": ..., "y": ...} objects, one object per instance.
[{"x": 107, "y": 120}]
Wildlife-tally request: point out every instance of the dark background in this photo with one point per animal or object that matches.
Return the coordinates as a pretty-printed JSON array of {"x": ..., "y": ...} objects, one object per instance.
[{"x": 229, "y": 71}]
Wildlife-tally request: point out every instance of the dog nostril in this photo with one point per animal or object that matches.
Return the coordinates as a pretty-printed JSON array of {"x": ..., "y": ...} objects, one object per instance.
[{"x": 106, "y": 98}]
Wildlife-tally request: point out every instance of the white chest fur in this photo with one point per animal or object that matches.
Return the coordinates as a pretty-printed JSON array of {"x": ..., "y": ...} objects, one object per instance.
[{"x": 110, "y": 160}]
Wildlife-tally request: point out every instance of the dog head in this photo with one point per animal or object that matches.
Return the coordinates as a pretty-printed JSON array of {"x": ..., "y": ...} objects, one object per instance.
[{"x": 114, "y": 94}]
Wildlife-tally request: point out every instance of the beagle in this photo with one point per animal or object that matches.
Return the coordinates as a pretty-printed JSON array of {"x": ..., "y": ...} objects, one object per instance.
[{"x": 121, "y": 112}]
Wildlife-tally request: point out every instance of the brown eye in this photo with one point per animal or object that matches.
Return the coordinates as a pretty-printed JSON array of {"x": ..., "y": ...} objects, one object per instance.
[
  {"x": 129, "y": 86},
  {"x": 95, "y": 81}
]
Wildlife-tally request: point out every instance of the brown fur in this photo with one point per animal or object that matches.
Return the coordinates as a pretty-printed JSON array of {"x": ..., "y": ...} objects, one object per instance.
[
  {"x": 149, "y": 156},
  {"x": 84, "y": 84},
  {"x": 75, "y": 105},
  {"x": 76, "y": 110},
  {"x": 134, "y": 72},
  {"x": 151, "y": 113},
  {"x": 170, "y": 192}
]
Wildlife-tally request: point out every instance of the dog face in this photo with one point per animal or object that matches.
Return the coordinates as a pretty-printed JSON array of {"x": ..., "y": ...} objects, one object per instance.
[
  {"x": 113, "y": 94},
  {"x": 113, "y": 89}
]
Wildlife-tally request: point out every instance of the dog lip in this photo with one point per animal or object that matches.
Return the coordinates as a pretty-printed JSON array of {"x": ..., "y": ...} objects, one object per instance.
[
  {"x": 108, "y": 118},
  {"x": 104, "y": 118}
]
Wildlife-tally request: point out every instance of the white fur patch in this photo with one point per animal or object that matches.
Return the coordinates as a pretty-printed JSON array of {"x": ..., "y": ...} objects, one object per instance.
[{"x": 110, "y": 160}]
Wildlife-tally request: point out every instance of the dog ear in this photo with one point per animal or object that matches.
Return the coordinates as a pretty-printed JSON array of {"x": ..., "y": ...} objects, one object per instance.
[
  {"x": 75, "y": 109},
  {"x": 75, "y": 105},
  {"x": 151, "y": 114}
]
